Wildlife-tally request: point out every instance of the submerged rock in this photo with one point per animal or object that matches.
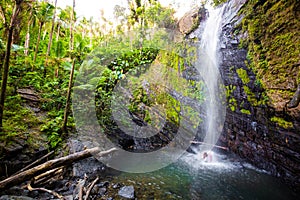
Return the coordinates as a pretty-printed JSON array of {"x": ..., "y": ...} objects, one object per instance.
[{"x": 127, "y": 192}]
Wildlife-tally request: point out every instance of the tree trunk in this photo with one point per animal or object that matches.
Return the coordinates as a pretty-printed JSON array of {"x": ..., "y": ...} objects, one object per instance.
[
  {"x": 27, "y": 39},
  {"x": 51, "y": 33},
  {"x": 38, "y": 41},
  {"x": 91, "y": 33},
  {"x": 71, "y": 28},
  {"x": 58, "y": 31},
  {"x": 51, "y": 164},
  {"x": 66, "y": 112},
  {"x": 15, "y": 14},
  {"x": 50, "y": 40},
  {"x": 5, "y": 74}
]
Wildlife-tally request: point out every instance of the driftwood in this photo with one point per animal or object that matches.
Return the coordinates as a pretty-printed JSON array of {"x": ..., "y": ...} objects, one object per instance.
[
  {"x": 45, "y": 190},
  {"x": 51, "y": 172},
  {"x": 90, "y": 188},
  {"x": 47, "y": 176},
  {"x": 51, "y": 164},
  {"x": 80, "y": 188}
]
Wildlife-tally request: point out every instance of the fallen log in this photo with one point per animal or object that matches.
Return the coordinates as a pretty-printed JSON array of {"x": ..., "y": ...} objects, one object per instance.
[
  {"x": 51, "y": 164},
  {"x": 217, "y": 146},
  {"x": 35, "y": 162}
]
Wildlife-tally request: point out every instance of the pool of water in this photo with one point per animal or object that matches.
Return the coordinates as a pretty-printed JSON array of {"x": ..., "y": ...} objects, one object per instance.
[{"x": 191, "y": 178}]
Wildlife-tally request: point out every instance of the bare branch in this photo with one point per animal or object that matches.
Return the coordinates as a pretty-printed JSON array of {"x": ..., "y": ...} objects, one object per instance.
[
  {"x": 45, "y": 190},
  {"x": 90, "y": 188}
]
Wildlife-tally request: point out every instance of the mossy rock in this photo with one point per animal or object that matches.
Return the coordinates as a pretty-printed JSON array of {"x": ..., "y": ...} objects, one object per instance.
[{"x": 273, "y": 47}]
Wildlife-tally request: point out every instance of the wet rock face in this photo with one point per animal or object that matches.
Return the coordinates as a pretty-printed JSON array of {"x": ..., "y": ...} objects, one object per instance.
[{"x": 248, "y": 129}]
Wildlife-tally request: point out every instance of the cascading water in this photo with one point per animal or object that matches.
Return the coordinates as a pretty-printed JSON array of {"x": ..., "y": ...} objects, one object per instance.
[{"x": 208, "y": 66}]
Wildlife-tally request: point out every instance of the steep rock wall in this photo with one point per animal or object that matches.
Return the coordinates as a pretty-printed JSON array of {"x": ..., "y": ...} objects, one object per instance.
[{"x": 261, "y": 82}]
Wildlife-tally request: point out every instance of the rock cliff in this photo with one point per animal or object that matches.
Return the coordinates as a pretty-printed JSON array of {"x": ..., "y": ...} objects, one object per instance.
[{"x": 260, "y": 69}]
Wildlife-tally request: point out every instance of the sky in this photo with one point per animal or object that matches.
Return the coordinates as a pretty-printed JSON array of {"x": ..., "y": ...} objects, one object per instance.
[{"x": 92, "y": 8}]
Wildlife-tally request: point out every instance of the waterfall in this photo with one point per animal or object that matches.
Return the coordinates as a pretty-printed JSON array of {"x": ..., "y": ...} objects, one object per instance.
[{"x": 208, "y": 66}]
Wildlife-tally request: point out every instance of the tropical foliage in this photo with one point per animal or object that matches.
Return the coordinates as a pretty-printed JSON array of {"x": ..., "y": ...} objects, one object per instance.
[{"x": 44, "y": 46}]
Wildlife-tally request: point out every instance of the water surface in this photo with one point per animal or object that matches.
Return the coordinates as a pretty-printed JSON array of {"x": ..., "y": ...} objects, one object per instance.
[{"x": 191, "y": 178}]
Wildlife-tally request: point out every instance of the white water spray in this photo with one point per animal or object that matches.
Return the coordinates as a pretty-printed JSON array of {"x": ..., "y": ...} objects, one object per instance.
[{"x": 208, "y": 66}]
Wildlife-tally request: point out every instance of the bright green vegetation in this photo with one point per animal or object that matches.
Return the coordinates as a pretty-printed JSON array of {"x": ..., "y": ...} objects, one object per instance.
[
  {"x": 18, "y": 119},
  {"x": 244, "y": 111},
  {"x": 273, "y": 50},
  {"x": 115, "y": 72},
  {"x": 46, "y": 49},
  {"x": 229, "y": 96},
  {"x": 160, "y": 71},
  {"x": 282, "y": 122},
  {"x": 273, "y": 43},
  {"x": 243, "y": 76},
  {"x": 218, "y": 2}
]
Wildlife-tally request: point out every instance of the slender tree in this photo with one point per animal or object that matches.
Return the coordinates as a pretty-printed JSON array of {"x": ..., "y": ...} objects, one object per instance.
[
  {"x": 63, "y": 18},
  {"x": 52, "y": 30},
  {"x": 44, "y": 15},
  {"x": 66, "y": 112},
  {"x": 50, "y": 39},
  {"x": 31, "y": 20},
  {"x": 16, "y": 11},
  {"x": 71, "y": 27}
]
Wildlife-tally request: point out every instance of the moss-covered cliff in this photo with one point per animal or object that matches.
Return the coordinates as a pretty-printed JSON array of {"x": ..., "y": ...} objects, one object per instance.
[
  {"x": 273, "y": 30},
  {"x": 260, "y": 66}
]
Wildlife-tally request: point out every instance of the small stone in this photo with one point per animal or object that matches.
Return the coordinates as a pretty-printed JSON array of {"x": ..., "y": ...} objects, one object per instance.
[
  {"x": 102, "y": 191},
  {"x": 242, "y": 133},
  {"x": 117, "y": 185},
  {"x": 234, "y": 42},
  {"x": 103, "y": 184},
  {"x": 127, "y": 192}
]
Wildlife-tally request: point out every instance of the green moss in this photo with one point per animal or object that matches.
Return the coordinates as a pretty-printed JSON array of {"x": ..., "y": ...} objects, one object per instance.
[
  {"x": 218, "y": 2},
  {"x": 229, "y": 96},
  {"x": 273, "y": 42},
  {"x": 17, "y": 119},
  {"x": 281, "y": 122},
  {"x": 243, "y": 75},
  {"x": 171, "y": 107},
  {"x": 244, "y": 111},
  {"x": 250, "y": 96}
]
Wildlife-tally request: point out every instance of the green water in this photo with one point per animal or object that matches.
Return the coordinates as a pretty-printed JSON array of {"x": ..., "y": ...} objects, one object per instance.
[{"x": 190, "y": 178}]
